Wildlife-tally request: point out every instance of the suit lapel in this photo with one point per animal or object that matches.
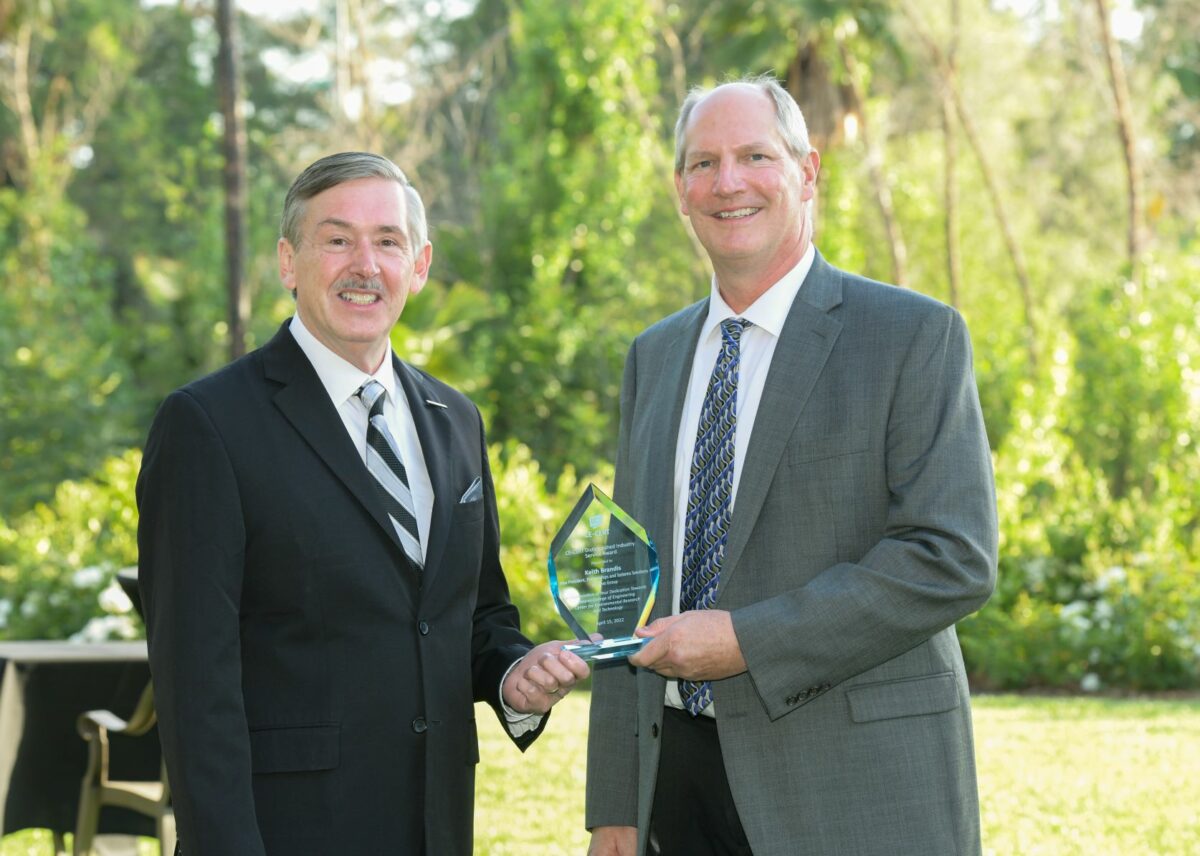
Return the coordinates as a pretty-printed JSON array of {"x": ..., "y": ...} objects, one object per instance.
[
  {"x": 671, "y": 391},
  {"x": 303, "y": 401},
  {"x": 432, "y": 421},
  {"x": 804, "y": 346}
]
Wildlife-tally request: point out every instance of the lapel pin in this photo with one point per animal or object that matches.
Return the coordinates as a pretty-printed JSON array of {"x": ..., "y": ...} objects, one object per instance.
[{"x": 433, "y": 403}]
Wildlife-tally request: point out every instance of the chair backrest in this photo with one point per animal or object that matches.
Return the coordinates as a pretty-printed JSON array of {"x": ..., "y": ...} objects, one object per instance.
[{"x": 144, "y": 716}]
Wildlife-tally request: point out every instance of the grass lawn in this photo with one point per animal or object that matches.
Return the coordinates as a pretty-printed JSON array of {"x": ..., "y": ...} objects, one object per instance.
[{"x": 1057, "y": 777}]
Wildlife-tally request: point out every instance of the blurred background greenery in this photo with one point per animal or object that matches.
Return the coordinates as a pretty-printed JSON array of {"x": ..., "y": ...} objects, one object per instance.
[{"x": 1033, "y": 163}]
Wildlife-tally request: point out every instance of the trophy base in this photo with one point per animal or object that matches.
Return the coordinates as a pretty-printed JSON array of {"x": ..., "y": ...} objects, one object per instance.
[{"x": 608, "y": 649}]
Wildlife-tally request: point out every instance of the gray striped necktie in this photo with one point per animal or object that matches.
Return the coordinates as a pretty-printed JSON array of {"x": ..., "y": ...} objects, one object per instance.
[{"x": 383, "y": 460}]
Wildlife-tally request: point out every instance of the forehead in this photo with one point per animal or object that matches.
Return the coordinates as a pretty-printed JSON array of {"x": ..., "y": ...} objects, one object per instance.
[
  {"x": 369, "y": 203},
  {"x": 730, "y": 116}
]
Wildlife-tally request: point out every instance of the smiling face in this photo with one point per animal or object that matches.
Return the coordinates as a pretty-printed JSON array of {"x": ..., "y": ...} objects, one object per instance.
[
  {"x": 744, "y": 191},
  {"x": 354, "y": 269}
]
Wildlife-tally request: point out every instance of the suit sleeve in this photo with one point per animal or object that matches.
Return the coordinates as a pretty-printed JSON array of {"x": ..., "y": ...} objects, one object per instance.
[
  {"x": 935, "y": 561},
  {"x": 612, "y": 765},
  {"x": 497, "y": 642},
  {"x": 191, "y": 542}
]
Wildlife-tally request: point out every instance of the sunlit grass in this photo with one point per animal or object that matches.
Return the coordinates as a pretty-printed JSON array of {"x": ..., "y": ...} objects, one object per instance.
[
  {"x": 1057, "y": 777},
  {"x": 1070, "y": 776}
]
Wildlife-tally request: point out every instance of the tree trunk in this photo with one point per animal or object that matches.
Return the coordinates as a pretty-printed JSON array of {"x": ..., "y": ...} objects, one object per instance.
[
  {"x": 1120, "y": 92},
  {"x": 950, "y": 159},
  {"x": 883, "y": 193},
  {"x": 235, "y": 177},
  {"x": 989, "y": 179}
]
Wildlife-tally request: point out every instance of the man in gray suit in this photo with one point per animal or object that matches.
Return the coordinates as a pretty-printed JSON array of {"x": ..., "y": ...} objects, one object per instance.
[{"x": 807, "y": 448}]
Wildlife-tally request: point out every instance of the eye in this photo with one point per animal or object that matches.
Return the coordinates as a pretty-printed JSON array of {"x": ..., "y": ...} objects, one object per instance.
[{"x": 701, "y": 164}]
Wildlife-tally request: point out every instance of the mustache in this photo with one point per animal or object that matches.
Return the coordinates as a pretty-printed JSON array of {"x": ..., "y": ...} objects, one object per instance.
[{"x": 351, "y": 283}]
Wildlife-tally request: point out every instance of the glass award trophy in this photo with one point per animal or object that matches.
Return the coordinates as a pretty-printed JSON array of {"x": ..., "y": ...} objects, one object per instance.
[{"x": 603, "y": 577}]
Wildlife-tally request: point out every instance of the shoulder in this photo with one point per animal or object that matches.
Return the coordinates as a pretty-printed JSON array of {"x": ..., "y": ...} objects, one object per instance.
[
  {"x": 230, "y": 383},
  {"x": 434, "y": 391},
  {"x": 668, "y": 332},
  {"x": 885, "y": 307}
]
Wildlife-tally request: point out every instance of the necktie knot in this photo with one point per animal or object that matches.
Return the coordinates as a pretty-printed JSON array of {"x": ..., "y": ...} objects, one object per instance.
[
  {"x": 371, "y": 394},
  {"x": 732, "y": 328}
]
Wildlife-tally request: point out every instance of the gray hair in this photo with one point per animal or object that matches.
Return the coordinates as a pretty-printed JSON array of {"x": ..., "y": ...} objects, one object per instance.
[
  {"x": 788, "y": 118},
  {"x": 337, "y": 169}
]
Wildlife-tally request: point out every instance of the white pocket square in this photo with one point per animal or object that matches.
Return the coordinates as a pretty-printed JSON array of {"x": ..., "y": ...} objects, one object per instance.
[{"x": 474, "y": 492}]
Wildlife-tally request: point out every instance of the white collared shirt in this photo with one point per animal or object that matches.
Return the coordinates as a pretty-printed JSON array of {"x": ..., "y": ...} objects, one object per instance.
[
  {"x": 767, "y": 315},
  {"x": 341, "y": 381}
]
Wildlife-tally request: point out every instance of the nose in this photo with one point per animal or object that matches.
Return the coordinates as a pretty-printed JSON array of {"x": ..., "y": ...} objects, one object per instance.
[
  {"x": 728, "y": 178},
  {"x": 364, "y": 262}
]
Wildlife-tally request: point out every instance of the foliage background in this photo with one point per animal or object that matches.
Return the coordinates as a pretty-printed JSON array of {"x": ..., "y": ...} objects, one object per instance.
[{"x": 972, "y": 150}]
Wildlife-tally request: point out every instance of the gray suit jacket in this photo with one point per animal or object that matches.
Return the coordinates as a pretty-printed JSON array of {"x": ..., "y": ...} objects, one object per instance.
[{"x": 864, "y": 527}]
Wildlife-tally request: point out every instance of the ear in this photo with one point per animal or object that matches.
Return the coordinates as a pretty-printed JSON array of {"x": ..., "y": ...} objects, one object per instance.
[
  {"x": 287, "y": 263},
  {"x": 683, "y": 206},
  {"x": 811, "y": 165},
  {"x": 421, "y": 268}
]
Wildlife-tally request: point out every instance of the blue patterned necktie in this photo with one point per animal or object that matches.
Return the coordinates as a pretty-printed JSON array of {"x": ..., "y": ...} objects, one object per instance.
[
  {"x": 710, "y": 491},
  {"x": 385, "y": 464}
]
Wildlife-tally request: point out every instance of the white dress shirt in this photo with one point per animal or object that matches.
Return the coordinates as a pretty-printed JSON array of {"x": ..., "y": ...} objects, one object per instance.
[
  {"x": 342, "y": 381},
  {"x": 767, "y": 316}
]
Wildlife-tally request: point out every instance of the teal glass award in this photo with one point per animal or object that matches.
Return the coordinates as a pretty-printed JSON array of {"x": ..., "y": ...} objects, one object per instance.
[{"x": 603, "y": 577}]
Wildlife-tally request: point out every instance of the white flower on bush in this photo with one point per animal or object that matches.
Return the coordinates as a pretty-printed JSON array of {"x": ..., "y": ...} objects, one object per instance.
[
  {"x": 1110, "y": 577},
  {"x": 106, "y": 627},
  {"x": 1075, "y": 614},
  {"x": 1090, "y": 682},
  {"x": 88, "y": 577},
  {"x": 114, "y": 601},
  {"x": 31, "y": 604}
]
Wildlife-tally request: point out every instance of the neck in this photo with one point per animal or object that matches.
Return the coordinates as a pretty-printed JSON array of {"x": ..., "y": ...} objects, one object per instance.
[
  {"x": 741, "y": 285},
  {"x": 369, "y": 362}
]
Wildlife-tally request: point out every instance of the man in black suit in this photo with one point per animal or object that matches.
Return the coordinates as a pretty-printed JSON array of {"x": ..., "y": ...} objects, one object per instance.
[{"x": 318, "y": 642}]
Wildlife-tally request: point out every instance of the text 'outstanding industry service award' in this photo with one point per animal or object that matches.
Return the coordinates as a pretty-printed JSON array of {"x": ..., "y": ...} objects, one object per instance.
[{"x": 603, "y": 577}]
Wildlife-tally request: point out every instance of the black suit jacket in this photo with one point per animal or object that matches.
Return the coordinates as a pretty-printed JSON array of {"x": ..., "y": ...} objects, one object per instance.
[{"x": 315, "y": 693}]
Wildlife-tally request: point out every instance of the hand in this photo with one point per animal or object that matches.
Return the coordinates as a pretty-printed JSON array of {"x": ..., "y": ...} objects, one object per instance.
[
  {"x": 613, "y": 841},
  {"x": 542, "y": 678},
  {"x": 698, "y": 645}
]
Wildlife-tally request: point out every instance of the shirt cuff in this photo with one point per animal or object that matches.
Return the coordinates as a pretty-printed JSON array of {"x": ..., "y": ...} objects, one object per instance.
[{"x": 517, "y": 723}]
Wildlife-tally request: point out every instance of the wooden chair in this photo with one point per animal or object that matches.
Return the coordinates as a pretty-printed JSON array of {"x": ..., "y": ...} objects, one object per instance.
[{"x": 149, "y": 798}]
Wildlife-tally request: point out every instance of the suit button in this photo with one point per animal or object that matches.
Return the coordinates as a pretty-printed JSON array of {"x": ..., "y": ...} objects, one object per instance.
[
  {"x": 792, "y": 699},
  {"x": 654, "y": 729},
  {"x": 419, "y": 725},
  {"x": 423, "y": 627}
]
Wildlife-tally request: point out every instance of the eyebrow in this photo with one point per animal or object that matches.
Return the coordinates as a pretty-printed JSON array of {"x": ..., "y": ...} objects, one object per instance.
[
  {"x": 344, "y": 224},
  {"x": 755, "y": 145}
]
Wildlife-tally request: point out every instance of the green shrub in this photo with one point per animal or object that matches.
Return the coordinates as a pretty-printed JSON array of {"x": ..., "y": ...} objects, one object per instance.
[
  {"x": 58, "y": 561},
  {"x": 1098, "y": 583},
  {"x": 530, "y": 516}
]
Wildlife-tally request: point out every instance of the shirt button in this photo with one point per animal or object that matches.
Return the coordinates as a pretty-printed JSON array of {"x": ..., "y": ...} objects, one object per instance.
[
  {"x": 419, "y": 725},
  {"x": 654, "y": 729},
  {"x": 423, "y": 627}
]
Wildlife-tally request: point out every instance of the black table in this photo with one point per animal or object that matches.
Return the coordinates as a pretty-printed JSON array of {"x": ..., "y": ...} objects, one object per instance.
[{"x": 45, "y": 686}]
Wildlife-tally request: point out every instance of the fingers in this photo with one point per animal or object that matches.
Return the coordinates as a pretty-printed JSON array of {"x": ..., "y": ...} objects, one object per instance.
[
  {"x": 544, "y": 677},
  {"x": 695, "y": 645}
]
